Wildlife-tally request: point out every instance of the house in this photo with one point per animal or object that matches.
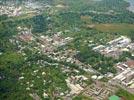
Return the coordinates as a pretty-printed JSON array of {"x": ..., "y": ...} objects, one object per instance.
[
  {"x": 130, "y": 63},
  {"x": 124, "y": 65}
]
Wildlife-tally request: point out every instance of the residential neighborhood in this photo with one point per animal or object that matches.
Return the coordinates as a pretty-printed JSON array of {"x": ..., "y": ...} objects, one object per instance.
[
  {"x": 66, "y": 50},
  {"x": 115, "y": 47}
]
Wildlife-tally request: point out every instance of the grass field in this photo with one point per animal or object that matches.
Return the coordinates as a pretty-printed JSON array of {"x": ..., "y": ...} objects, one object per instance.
[{"x": 121, "y": 28}]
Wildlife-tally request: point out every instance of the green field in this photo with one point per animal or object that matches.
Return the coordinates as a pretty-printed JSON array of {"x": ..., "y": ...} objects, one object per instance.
[{"x": 121, "y": 28}]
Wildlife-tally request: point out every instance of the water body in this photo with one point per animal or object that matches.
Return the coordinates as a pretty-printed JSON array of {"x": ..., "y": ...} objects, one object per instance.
[{"x": 131, "y": 7}]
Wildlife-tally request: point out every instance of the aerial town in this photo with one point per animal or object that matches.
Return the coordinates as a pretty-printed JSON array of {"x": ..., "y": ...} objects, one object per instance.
[
  {"x": 48, "y": 45},
  {"x": 47, "y": 52}
]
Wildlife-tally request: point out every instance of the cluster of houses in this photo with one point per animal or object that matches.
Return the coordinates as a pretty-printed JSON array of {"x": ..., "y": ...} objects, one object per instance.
[
  {"x": 125, "y": 70},
  {"x": 99, "y": 91},
  {"x": 66, "y": 55},
  {"x": 125, "y": 77},
  {"x": 76, "y": 84},
  {"x": 115, "y": 47},
  {"x": 25, "y": 34},
  {"x": 10, "y": 10},
  {"x": 49, "y": 44}
]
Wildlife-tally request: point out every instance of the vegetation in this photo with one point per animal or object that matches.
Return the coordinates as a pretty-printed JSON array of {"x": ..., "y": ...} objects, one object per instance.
[
  {"x": 89, "y": 22},
  {"x": 38, "y": 24},
  {"x": 81, "y": 97},
  {"x": 97, "y": 61},
  {"x": 124, "y": 94}
]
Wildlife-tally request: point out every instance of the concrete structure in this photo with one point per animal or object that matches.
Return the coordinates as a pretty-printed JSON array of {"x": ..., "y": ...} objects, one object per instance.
[{"x": 115, "y": 47}]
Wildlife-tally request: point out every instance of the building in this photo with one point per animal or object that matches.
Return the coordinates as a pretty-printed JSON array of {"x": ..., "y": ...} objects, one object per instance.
[{"x": 116, "y": 47}]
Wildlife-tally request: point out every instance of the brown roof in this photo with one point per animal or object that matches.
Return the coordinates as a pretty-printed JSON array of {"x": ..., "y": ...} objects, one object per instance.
[
  {"x": 130, "y": 63},
  {"x": 26, "y": 37}
]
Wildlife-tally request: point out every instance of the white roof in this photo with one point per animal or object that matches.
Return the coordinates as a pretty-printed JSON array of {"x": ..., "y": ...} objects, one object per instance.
[{"x": 94, "y": 77}]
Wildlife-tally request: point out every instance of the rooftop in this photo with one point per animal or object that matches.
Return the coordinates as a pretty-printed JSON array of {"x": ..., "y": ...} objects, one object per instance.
[{"x": 130, "y": 63}]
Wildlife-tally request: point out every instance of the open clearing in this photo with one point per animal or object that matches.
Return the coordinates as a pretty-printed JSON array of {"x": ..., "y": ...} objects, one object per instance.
[{"x": 121, "y": 28}]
